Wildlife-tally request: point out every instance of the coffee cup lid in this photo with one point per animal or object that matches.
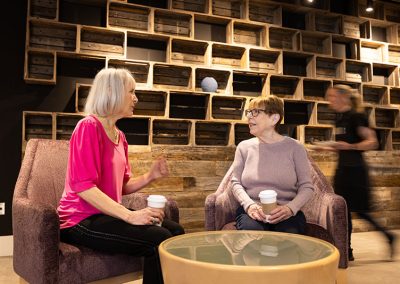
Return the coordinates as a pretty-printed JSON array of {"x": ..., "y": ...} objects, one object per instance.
[
  {"x": 156, "y": 198},
  {"x": 267, "y": 193}
]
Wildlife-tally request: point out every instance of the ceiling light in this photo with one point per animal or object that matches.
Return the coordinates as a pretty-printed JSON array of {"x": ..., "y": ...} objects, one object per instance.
[{"x": 370, "y": 6}]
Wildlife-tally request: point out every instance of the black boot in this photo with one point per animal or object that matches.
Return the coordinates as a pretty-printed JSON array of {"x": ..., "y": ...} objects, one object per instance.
[{"x": 351, "y": 257}]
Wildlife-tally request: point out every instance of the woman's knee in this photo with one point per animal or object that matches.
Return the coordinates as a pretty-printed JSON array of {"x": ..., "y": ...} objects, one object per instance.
[{"x": 246, "y": 223}]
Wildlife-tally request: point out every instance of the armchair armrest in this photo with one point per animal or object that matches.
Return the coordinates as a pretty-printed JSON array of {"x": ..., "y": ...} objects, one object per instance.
[
  {"x": 36, "y": 232},
  {"x": 209, "y": 208}
]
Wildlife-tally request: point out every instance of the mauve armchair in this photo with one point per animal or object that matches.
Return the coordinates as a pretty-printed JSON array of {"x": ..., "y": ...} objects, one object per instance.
[
  {"x": 326, "y": 212},
  {"x": 39, "y": 256}
]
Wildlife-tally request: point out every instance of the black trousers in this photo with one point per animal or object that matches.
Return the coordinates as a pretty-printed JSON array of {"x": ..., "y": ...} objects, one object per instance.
[
  {"x": 108, "y": 234},
  {"x": 295, "y": 224}
]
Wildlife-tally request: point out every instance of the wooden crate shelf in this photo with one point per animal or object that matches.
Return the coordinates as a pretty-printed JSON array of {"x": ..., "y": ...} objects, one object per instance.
[
  {"x": 97, "y": 41},
  {"x": 212, "y": 133},
  {"x": 65, "y": 125},
  {"x": 89, "y": 13},
  {"x": 383, "y": 137},
  {"x": 139, "y": 70},
  {"x": 377, "y": 13},
  {"x": 384, "y": 74},
  {"x": 228, "y": 55},
  {"x": 315, "y": 89},
  {"x": 37, "y": 125},
  {"x": 283, "y": 38},
  {"x": 212, "y": 28},
  {"x": 191, "y": 52},
  {"x": 200, "y": 6},
  {"x": 244, "y": 33},
  {"x": 297, "y": 64},
  {"x": 227, "y": 108},
  {"x": 172, "y": 23},
  {"x": 40, "y": 67},
  {"x": 242, "y": 132},
  {"x": 221, "y": 76},
  {"x": 147, "y": 47},
  {"x": 325, "y": 115},
  {"x": 43, "y": 8},
  {"x": 394, "y": 94},
  {"x": 327, "y": 67},
  {"x": 328, "y": 24},
  {"x": 294, "y": 19},
  {"x": 188, "y": 105},
  {"x": 392, "y": 13},
  {"x": 52, "y": 35},
  {"x": 81, "y": 94},
  {"x": 358, "y": 71},
  {"x": 228, "y": 8},
  {"x": 284, "y": 86},
  {"x": 289, "y": 130},
  {"x": 249, "y": 83},
  {"x": 372, "y": 94},
  {"x": 344, "y": 47},
  {"x": 383, "y": 32},
  {"x": 151, "y": 103},
  {"x": 136, "y": 130},
  {"x": 372, "y": 51},
  {"x": 396, "y": 140},
  {"x": 128, "y": 16},
  {"x": 297, "y": 113},
  {"x": 394, "y": 54},
  {"x": 265, "y": 60},
  {"x": 356, "y": 28},
  {"x": 172, "y": 75},
  {"x": 259, "y": 11},
  {"x": 171, "y": 132},
  {"x": 316, "y": 43},
  {"x": 317, "y": 134},
  {"x": 322, "y": 4},
  {"x": 386, "y": 117}
]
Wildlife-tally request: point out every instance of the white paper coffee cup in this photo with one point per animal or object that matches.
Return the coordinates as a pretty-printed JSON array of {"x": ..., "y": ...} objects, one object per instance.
[
  {"x": 156, "y": 201},
  {"x": 268, "y": 201}
]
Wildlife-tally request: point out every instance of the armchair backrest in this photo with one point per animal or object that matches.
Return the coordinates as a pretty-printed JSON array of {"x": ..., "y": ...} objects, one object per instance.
[{"x": 43, "y": 169}]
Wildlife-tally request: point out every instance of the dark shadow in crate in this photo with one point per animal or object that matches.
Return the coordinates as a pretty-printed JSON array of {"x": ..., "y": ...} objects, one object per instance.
[
  {"x": 210, "y": 28},
  {"x": 375, "y": 94},
  {"x": 343, "y": 7},
  {"x": 40, "y": 66},
  {"x": 320, "y": 4},
  {"x": 248, "y": 84},
  {"x": 293, "y": 19},
  {"x": 242, "y": 132},
  {"x": 102, "y": 42},
  {"x": 81, "y": 94},
  {"x": 264, "y": 60},
  {"x": 284, "y": 38},
  {"x": 220, "y": 76},
  {"x": 297, "y": 113},
  {"x": 172, "y": 23},
  {"x": 153, "y": 3},
  {"x": 227, "y": 55},
  {"x": 296, "y": 64},
  {"x": 328, "y": 24},
  {"x": 395, "y": 96},
  {"x": 213, "y": 134},
  {"x": 227, "y": 108},
  {"x": 128, "y": 16},
  {"x": 394, "y": 53},
  {"x": 186, "y": 51},
  {"x": 265, "y": 13},
  {"x": 228, "y": 8},
  {"x": 248, "y": 34},
  {"x": 91, "y": 13},
  {"x": 43, "y": 9},
  {"x": 288, "y": 130},
  {"x": 315, "y": 89},
  {"x": 383, "y": 74},
  {"x": 386, "y": 117},
  {"x": 325, "y": 115},
  {"x": 200, "y": 6},
  {"x": 188, "y": 105},
  {"x": 146, "y": 47},
  {"x": 172, "y": 132},
  {"x": 392, "y": 13},
  {"x": 382, "y": 136},
  {"x": 317, "y": 134},
  {"x": 136, "y": 130},
  {"x": 150, "y": 103},
  {"x": 65, "y": 125},
  {"x": 358, "y": 71},
  {"x": 329, "y": 67},
  {"x": 283, "y": 87},
  {"x": 139, "y": 70},
  {"x": 316, "y": 43},
  {"x": 79, "y": 66},
  {"x": 171, "y": 75},
  {"x": 38, "y": 126},
  {"x": 396, "y": 140},
  {"x": 344, "y": 47}
]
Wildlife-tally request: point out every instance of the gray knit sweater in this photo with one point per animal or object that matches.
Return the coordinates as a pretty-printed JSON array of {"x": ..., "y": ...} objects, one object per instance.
[{"x": 282, "y": 166}]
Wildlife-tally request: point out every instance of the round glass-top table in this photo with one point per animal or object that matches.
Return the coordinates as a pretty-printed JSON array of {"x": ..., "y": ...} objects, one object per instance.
[{"x": 247, "y": 257}]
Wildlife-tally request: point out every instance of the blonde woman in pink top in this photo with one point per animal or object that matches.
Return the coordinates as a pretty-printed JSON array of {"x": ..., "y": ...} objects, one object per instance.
[{"x": 98, "y": 174}]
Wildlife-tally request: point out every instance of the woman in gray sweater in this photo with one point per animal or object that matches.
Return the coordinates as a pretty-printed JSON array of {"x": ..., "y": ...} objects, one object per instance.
[{"x": 270, "y": 161}]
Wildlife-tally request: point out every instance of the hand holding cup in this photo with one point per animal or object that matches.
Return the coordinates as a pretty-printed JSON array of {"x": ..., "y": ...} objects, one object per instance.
[{"x": 156, "y": 202}]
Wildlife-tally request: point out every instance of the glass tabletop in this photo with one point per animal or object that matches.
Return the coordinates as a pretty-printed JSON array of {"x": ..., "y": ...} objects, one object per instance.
[{"x": 248, "y": 248}]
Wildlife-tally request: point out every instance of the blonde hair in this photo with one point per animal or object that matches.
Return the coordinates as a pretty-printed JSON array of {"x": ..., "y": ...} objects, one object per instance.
[
  {"x": 271, "y": 105},
  {"x": 353, "y": 94},
  {"x": 106, "y": 96}
]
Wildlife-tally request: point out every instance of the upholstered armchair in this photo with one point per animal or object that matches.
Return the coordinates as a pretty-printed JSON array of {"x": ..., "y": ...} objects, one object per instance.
[
  {"x": 326, "y": 212},
  {"x": 39, "y": 256}
]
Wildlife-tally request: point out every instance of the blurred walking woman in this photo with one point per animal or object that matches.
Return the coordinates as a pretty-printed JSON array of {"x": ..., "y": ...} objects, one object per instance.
[
  {"x": 98, "y": 174},
  {"x": 353, "y": 136}
]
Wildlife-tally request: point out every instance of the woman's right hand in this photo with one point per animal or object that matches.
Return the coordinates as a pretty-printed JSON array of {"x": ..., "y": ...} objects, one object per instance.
[
  {"x": 256, "y": 213},
  {"x": 146, "y": 216}
]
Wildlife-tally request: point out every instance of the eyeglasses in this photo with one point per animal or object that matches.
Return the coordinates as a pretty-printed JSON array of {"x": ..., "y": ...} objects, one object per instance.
[{"x": 250, "y": 113}]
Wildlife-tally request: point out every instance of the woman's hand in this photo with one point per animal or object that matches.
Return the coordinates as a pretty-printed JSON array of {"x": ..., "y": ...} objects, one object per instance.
[
  {"x": 146, "y": 216},
  {"x": 159, "y": 169},
  {"x": 279, "y": 214},
  {"x": 256, "y": 213}
]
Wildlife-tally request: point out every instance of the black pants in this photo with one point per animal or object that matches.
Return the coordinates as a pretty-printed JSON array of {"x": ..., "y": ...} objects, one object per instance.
[
  {"x": 108, "y": 234},
  {"x": 295, "y": 224}
]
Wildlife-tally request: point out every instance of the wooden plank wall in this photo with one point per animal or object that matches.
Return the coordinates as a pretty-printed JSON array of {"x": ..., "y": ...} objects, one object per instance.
[{"x": 196, "y": 172}]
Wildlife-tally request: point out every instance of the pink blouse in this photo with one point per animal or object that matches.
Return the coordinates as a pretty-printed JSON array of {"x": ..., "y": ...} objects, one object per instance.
[{"x": 94, "y": 161}]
